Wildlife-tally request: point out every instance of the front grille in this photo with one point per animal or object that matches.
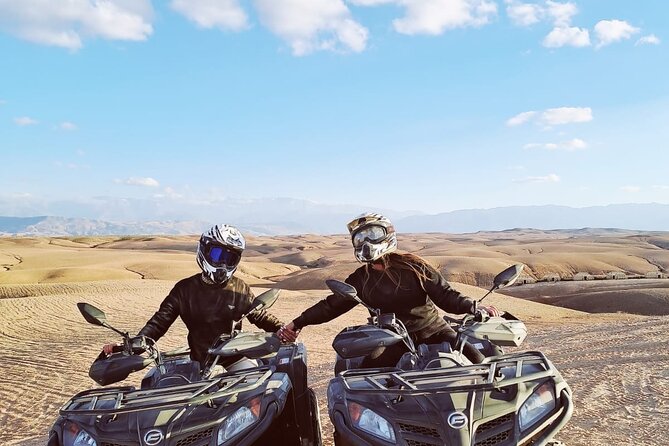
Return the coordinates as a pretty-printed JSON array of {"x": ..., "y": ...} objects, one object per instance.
[
  {"x": 198, "y": 437},
  {"x": 117, "y": 444},
  {"x": 418, "y": 443},
  {"x": 419, "y": 430},
  {"x": 495, "y": 431},
  {"x": 494, "y": 440}
]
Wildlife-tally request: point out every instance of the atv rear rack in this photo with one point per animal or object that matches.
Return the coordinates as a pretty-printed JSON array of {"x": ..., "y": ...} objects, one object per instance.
[
  {"x": 493, "y": 373},
  {"x": 116, "y": 400}
]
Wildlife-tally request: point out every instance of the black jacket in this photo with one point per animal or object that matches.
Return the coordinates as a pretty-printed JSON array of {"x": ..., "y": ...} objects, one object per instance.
[
  {"x": 208, "y": 311},
  {"x": 412, "y": 300}
]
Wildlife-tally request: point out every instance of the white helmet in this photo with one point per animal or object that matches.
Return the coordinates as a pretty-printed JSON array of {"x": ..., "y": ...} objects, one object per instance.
[
  {"x": 372, "y": 235},
  {"x": 219, "y": 252}
]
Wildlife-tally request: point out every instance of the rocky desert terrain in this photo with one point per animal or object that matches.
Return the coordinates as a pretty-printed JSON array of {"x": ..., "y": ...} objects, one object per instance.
[{"x": 609, "y": 338}]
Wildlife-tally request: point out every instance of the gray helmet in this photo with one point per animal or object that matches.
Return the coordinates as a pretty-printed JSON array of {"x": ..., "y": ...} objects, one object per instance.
[
  {"x": 219, "y": 252},
  {"x": 373, "y": 236}
]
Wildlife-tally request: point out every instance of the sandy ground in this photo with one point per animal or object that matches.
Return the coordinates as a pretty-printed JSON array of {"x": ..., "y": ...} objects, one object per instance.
[{"x": 616, "y": 363}]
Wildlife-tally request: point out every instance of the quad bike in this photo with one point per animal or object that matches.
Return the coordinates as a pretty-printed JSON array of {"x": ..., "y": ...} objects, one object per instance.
[
  {"x": 250, "y": 391},
  {"x": 434, "y": 395}
]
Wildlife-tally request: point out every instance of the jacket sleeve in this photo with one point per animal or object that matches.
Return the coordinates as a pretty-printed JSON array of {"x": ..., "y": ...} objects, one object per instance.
[
  {"x": 261, "y": 318},
  {"x": 328, "y": 308},
  {"x": 161, "y": 321},
  {"x": 443, "y": 296}
]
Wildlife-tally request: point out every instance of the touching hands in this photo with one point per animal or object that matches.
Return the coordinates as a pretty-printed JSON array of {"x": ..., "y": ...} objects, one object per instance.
[
  {"x": 288, "y": 333},
  {"x": 488, "y": 310}
]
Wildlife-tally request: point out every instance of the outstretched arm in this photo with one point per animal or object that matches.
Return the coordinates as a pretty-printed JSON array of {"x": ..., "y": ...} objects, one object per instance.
[
  {"x": 445, "y": 297},
  {"x": 265, "y": 321},
  {"x": 161, "y": 321}
]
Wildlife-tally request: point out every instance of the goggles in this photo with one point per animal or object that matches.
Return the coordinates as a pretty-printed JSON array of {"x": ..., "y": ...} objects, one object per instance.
[
  {"x": 372, "y": 233},
  {"x": 218, "y": 255}
]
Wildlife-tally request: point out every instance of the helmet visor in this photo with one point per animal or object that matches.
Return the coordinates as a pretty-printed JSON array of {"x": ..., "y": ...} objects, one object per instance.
[
  {"x": 218, "y": 255},
  {"x": 372, "y": 233}
]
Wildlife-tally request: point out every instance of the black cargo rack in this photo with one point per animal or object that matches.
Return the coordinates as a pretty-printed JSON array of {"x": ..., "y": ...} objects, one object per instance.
[
  {"x": 484, "y": 376},
  {"x": 116, "y": 400}
]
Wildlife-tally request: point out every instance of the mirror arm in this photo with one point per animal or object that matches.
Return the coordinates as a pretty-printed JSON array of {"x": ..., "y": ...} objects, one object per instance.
[
  {"x": 486, "y": 294},
  {"x": 124, "y": 334}
]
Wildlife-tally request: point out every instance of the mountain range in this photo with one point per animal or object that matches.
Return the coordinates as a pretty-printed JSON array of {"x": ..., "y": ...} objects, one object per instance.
[{"x": 291, "y": 216}]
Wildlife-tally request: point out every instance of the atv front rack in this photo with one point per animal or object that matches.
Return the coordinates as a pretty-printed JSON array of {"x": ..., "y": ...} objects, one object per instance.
[
  {"x": 494, "y": 373},
  {"x": 116, "y": 400}
]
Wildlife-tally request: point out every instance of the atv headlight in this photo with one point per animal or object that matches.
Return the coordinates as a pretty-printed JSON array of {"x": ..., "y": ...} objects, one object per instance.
[
  {"x": 239, "y": 420},
  {"x": 539, "y": 404},
  {"x": 73, "y": 435},
  {"x": 369, "y": 421}
]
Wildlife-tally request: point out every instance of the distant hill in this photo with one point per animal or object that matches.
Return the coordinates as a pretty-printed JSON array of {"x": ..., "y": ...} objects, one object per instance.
[
  {"x": 648, "y": 217},
  {"x": 288, "y": 216}
]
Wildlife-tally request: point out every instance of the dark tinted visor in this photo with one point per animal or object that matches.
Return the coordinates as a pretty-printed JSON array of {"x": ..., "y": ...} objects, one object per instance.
[{"x": 218, "y": 255}]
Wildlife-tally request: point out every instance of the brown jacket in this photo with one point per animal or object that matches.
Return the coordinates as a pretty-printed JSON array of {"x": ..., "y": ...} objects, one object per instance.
[
  {"x": 412, "y": 300},
  {"x": 208, "y": 311}
]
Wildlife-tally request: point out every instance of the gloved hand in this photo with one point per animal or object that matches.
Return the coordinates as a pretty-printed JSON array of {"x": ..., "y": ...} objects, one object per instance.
[{"x": 487, "y": 311}]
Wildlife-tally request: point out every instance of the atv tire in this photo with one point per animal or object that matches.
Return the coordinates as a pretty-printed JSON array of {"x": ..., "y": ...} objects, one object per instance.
[{"x": 315, "y": 414}]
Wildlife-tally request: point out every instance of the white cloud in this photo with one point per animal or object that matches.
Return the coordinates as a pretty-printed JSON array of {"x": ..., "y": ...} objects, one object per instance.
[
  {"x": 170, "y": 193},
  {"x": 521, "y": 118},
  {"x": 434, "y": 17},
  {"x": 610, "y": 31},
  {"x": 561, "y": 13},
  {"x": 661, "y": 187},
  {"x": 527, "y": 14},
  {"x": 223, "y": 14},
  {"x": 524, "y": 14},
  {"x": 139, "y": 181},
  {"x": 550, "y": 178},
  {"x": 67, "y": 24},
  {"x": 553, "y": 116},
  {"x": 631, "y": 189},
  {"x": 69, "y": 126},
  {"x": 650, "y": 39},
  {"x": 570, "y": 146},
  {"x": 313, "y": 25},
  {"x": 567, "y": 36},
  {"x": 566, "y": 115},
  {"x": 371, "y": 2},
  {"x": 25, "y": 120}
]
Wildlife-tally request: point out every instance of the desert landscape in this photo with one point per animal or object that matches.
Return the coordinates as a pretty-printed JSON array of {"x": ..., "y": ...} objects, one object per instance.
[{"x": 609, "y": 338}]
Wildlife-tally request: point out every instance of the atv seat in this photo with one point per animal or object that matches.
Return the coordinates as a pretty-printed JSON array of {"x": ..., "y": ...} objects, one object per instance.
[
  {"x": 171, "y": 381},
  {"x": 434, "y": 356}
]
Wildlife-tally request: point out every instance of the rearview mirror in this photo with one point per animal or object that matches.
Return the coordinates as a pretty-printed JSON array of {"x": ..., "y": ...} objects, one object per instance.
[
  {"x": 343, "y": 289},
  {"x": 508, "y": 276},
  {"x": 264, "y": 300},
  {"x": 92, "y": 314}
]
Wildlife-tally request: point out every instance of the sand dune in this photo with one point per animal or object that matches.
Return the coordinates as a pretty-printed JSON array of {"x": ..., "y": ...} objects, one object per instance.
[{"x": 616, "y": 363}]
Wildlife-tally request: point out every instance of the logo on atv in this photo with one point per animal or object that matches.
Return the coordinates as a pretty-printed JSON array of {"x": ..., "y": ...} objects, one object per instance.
[
  {"x": 457, "y": 420},
  {"x": 153, "y": 437}
]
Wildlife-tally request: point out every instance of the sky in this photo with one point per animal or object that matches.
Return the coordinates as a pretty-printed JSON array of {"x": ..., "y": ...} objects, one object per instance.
[{"x": 410, "y": 105}]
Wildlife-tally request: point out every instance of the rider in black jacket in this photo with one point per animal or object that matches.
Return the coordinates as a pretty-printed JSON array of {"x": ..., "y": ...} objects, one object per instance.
[
  {"x": 210, "y": 302},
  {"x": 403, "y": 284}
]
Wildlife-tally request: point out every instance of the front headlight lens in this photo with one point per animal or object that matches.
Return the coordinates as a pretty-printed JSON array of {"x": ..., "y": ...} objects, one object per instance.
[
  {"x": 239, "y": 420},
  {"x": 369, "y": 421},
  {"x": 539, "y": 404},
  {"x": 73, "y": 435}
]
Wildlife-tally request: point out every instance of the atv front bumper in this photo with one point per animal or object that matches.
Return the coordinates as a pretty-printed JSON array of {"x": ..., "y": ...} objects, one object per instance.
[{"x": 347, "y": 436}]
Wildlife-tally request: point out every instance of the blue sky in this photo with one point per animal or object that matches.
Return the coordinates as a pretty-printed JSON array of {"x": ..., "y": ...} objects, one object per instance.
[{"x": 429, "y": 105}]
